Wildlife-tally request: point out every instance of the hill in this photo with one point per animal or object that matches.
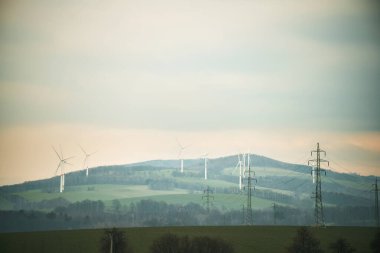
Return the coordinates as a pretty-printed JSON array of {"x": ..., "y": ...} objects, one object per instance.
[{"x": 289, "y": 186}]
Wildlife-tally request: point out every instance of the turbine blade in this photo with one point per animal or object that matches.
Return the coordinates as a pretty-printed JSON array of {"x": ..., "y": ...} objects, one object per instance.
[
  {"x": 179, "y": 144},
  {"x": 60, "y": 148},
  {"x": 82, "y": 149},
  {"x": 59, "y": 165},
  {"x": 235, "y": 167},
  {"x": 84, "y": 162},
  {"x": 68, "y": 158},
  {"x": 56, "y": 152}
]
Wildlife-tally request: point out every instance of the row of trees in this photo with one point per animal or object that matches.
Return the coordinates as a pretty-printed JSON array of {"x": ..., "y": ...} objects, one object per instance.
[
  {"x": 115, "y": 241},
  {"x": 306, "y": 242},
  {"x": 93, "y": 214}
]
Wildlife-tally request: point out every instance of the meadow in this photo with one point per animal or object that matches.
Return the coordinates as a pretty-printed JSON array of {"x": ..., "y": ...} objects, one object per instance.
[
  {"x": 243, "y": 238},
  {"x": 128, "y": 194}
]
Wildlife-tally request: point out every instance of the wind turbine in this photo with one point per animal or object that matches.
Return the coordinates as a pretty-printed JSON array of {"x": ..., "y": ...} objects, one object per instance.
[
  {"x": 205, "y": 157},
  {"x": 244, "y": 164},
  {"x": 61, "y": 166},
  {"x": 87, "y": 155},
  {"x": 181, "y": 149},
  {"x": 313, "y": 171},
  {"x": 240, "y": 164}
]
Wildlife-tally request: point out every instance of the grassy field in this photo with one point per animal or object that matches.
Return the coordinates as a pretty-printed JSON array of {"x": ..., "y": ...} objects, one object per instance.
[
  {"x": 244, "y": 239},
  {"x": 100, "y": 192},
  {"x": 128, "y": 194}
]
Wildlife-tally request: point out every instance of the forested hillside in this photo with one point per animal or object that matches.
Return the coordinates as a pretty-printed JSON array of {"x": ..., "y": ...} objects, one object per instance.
[{"x": 116, "y": 194}]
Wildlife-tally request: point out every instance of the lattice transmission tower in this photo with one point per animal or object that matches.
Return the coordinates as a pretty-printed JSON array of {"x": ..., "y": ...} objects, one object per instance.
[
  {"x": 207, "y": 195},
  {"x": 317, "y": 195},
  {"x": 248, "y": 217},
  {"x": 376, "y": 190}
]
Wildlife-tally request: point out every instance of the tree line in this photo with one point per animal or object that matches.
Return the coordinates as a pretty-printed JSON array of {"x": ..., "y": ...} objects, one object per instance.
[
  {"x": 149, "y": 213},
  {"x": 114, "y": 240}
]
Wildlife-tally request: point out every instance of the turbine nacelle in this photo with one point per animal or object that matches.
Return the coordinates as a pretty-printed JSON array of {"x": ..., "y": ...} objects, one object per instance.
[{"x": 86, "y": 157}]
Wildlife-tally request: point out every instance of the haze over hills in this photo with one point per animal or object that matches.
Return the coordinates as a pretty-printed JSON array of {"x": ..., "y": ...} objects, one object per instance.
[
  {"x": 120, "y": 189},
  {"x": 223, "y": 174}
]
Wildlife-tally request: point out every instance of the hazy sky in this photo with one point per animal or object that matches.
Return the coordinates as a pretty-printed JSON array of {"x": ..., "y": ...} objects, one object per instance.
[{"x": 126, "y": 78}]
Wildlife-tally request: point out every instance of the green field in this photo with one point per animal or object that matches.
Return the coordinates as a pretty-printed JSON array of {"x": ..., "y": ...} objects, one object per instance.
[
  {"x": 127, "y": 194},
  {"x": 100, "y": 192},
  {"x": 244, "y": 239},
  {"x": 220, "y": 201}
]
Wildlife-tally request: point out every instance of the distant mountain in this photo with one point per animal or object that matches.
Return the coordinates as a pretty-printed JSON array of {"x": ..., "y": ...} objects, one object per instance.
[
  {"x": 273, "y": 177},
  {"x": 156, "y": 193}
]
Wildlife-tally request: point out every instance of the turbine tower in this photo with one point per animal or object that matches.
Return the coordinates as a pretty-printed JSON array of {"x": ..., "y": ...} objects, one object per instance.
[
  {"x": 87, "y": 155},
  {"x": 244, "y": 164},
  {"x": 240, "y": 164},
  {"x": 181, "y": 149},
  {"x": 61, "y": 167},
  {"x": 205, "y": 157}
]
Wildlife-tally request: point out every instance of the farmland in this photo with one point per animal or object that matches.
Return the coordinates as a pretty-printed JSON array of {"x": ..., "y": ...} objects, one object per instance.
[
  {"x": 243, "y": 238},
  {"x": 155, "y": 193}
]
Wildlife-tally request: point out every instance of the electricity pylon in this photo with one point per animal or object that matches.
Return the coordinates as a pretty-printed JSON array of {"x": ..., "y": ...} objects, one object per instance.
[
  {"x": 274, "y": 213},
  {"x": 376, "y": 190},
  {"x": 207, "y": 196},
  {"x": 318, "y": 209},
  {"x": 248, "y": 220}
]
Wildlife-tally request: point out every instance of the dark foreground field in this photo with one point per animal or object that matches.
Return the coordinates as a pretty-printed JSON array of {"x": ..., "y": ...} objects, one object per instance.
[{"x": 243, "y": 238}]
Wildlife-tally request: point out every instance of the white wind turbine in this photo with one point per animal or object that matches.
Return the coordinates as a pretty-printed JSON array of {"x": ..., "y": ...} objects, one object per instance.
[
  {"x": 205, "y": 157},
  {"x": 61, "y": 167},
  {"x": 87, "y": 155},
  {"x": 241, "y": 158},
  {"x": 313, "y": 171},
  {"x": 181, "y": 149}
]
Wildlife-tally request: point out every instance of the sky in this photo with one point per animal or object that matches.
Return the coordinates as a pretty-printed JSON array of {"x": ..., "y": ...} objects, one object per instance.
[{"x": 127, "y": 79}]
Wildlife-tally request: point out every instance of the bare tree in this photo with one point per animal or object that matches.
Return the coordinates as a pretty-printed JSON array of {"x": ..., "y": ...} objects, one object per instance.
[
  {"x": 305, "y": 242},
  {"x": 341, "y": 246},
  {"x": 114, "y": 241},
  {"x": 170, "y": 243}
]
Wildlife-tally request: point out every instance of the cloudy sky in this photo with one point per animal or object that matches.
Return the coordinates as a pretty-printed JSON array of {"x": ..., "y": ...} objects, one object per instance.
[{"x": 128, "y": 78}]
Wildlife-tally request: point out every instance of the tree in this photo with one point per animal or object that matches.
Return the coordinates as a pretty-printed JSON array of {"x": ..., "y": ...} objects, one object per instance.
[
  {"x": 210, "y": 245},
  {"x": 305, "y": 242},
  {"x": 341, "y": 246},
  {"x": 114, "y": 241},
  {"x": 375, "y": 243},
  {"x": 170, "y": 243},
  {"x": 116, "y": 205}
]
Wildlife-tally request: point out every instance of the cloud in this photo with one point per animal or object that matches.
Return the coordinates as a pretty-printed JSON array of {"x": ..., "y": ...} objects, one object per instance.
[{"x": 192, "y": 66}]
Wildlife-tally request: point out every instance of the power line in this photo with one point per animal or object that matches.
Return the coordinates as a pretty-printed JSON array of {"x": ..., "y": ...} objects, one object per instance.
[
  {"x": 207, "y": 196},
  {"x": 248, "y": 218},
  {"x": 316, "y": 172},
  {"x": 376, "y": 190}
]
